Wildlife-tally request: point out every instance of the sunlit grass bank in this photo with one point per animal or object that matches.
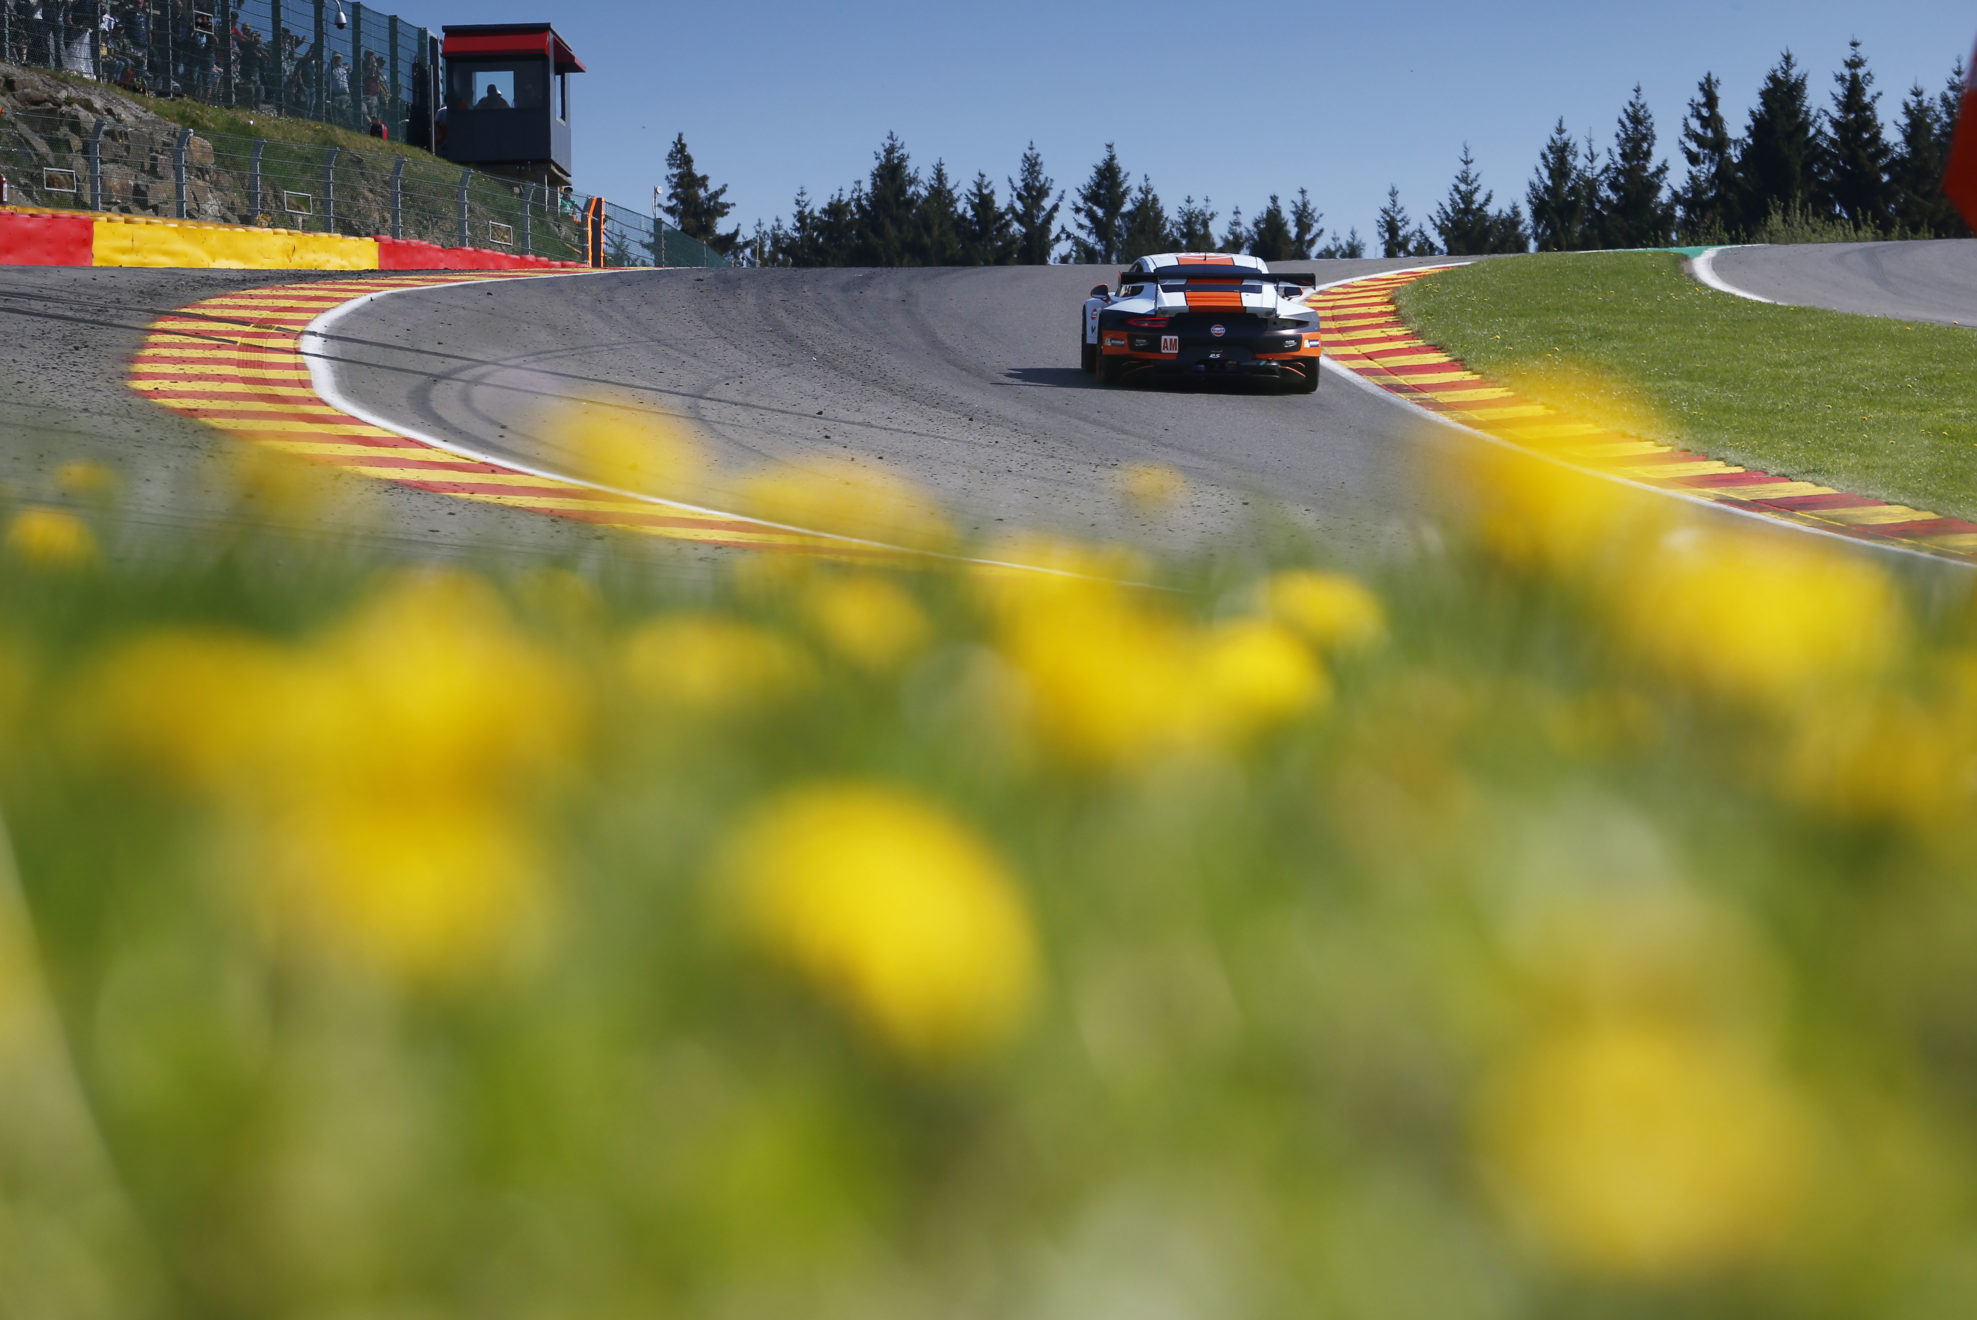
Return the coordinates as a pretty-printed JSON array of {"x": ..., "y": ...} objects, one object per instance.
[
  {"x": 1866, "y": 405},
  {"x": 1573, "y": 919}
]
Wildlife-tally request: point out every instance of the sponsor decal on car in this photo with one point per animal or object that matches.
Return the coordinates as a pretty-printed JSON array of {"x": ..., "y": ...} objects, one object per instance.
[
  {"x": 1170, "y": 343},
  {"x": 1217, "y": 331}
]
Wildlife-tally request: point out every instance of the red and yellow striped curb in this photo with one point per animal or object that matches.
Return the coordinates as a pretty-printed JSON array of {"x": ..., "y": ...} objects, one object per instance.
[
  {"x": 1364, "y": 333},
  {"x": 235, "y": 363}
]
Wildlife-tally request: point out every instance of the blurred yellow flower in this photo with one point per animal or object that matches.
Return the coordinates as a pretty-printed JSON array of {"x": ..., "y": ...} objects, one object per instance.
[
  {"x": 871, "y": 621},
  {"x": 421, "y": 889},
  {"x": 1331, "y": 610},
  {"x": 710, "y": 663},
  {"x": 850, "y": 498},
  {"x": 1883, "y": 757},
  {"x": 894, "y": 909},
  {"x": 1150, "y": 487},
  {"x": 430, "y": 685},
  {"x": 204, "y": 709},
  {"x": 84, "y": 479},
  {"x": 1769, "y": 619},
  {"x": 49, "y": 538},
  {"x": 626, "y": 446},
  {"x": 566, "y": 602},
  {"x": 1256, "y": 675},
  {"x": 1647, "y": 1148},
  {"x": 287, "y": 485},
  {"x": 1539, "y": 514}
]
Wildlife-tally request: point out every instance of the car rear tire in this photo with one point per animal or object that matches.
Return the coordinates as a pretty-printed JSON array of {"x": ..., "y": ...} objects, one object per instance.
[
  {"x": 1087, "y": 351},
  {"x": 1110, "y": 370},
  {"x": 1307, "y": 381}
]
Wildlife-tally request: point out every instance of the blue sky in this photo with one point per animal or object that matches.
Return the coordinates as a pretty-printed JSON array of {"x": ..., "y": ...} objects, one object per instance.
[{"x": 1340, "y": 99}]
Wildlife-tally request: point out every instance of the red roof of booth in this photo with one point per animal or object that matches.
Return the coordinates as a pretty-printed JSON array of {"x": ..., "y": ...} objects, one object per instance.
[{"x": 510, "y": 39}]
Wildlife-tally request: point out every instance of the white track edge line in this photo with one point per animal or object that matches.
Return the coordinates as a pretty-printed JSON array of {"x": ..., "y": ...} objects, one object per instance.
[
  {"x": 322, "y": 378},
  {"x": 1702, "y": 267},
  {"x": 1891, "y": 547}
]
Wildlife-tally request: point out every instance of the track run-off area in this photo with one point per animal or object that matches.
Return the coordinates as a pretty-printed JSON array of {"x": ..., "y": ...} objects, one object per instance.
[{"x": 964, "y": 381}]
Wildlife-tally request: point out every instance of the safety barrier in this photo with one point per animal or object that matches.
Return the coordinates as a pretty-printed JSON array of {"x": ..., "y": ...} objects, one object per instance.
[{"x": 75, "y": 159}]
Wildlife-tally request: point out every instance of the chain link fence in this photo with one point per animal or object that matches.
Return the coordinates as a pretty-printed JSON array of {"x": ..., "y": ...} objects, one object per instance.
[
  {"x": 75, "y": 160},
  {"x": 340, "y": 63}
]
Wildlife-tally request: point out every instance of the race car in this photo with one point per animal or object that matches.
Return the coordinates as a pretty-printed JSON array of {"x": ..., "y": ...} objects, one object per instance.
[{"x": 1203, "y": 315}]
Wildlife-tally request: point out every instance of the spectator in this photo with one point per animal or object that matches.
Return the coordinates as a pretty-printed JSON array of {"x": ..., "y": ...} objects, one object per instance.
[
  {"x": 339, "y": 86},
  {"x": 378, "y": 130},
  {"x": 494, "y": 100}
]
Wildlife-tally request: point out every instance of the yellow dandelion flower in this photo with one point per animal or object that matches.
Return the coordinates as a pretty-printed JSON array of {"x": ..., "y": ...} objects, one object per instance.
[
  {"x": 288, "y": 486},
  {"x": 431, "y": 685},
  {"x": 1647, "y": 1149},
  {"x": 1767, "y": 619},
  {"x": 1150, "y": 487},
  {"x": 893, "y": 909},
  {"x": 871, "y": 621},
  {"x": 1880, "y": 757},
  {"x": 1257, "y": 675},
  {"x": 627, "y": 446},
  {"x": 713, "y": 664},
  {"x": 849, "y": 498},
  {"x": 1542, "y": 515},
  {"x": 86, "y": 480},
  {"x": 421, "y": 890},
  {"x": 1331, "y": 610},
  {"x": 203, "y": 709},
  {"x": 49, "y": 538}
]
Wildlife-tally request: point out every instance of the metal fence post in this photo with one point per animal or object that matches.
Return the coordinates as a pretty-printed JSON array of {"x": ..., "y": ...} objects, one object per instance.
[
  {"x": 398, "y": 198},
  {"x": 394, "y": 110},
  {"x": 96, "y": 41},
  {"x": 96, "y": 165},
  {"x": 357, "y": 67},
  {"x": 528, "y": 205},
  {"x": 254, "y": 181},
  {"x": 178, "y": 168},
  {"x": 228, "y": 56},
  {"x": 321, "y": 98},
  {"x": 329, "y": 191},
  {"x": 278, "y": 53},
  {"x": 466, "y": 234}
]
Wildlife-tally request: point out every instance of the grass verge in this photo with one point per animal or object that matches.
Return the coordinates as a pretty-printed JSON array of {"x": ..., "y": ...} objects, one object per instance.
[{"x": 1870, "y": 406}]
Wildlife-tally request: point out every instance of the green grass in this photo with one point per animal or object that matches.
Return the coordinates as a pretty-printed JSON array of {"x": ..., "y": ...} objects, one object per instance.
[{"x": 1866, "y": 405}]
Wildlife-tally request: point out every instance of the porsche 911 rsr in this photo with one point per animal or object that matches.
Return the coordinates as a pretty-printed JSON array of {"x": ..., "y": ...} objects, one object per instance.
[{"x": 1203, "y": 316}]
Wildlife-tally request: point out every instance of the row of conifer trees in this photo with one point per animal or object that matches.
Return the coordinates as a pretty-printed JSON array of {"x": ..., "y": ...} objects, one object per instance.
[{"x": 1797, "y": 172}]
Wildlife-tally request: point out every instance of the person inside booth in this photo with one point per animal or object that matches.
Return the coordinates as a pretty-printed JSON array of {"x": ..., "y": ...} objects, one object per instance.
[{"x": 494, "y": 100}]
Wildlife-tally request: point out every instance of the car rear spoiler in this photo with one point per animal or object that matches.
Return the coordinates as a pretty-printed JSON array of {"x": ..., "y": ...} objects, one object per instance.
[{"x": 1304, "y": 279}]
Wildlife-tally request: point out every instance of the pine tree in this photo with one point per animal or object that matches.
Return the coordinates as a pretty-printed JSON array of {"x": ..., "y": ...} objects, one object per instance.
[
  {"x": 837, "y": 227},
  {"x": 1589, "y": 182},
  {"x": 1033, "y": 209},
  {"x": 1779, "y": 167},
  {"x": 1099, "y": 209},
  {"x": 798, "y": 245},
  {"x": 888, "y": 204},
  {"x": 693, "y": 208},
  {"x": 1270, "y": 237},
  {"x": 937, "y": 223},
  {"x": 1352, "y": 245},
  {"x": 1949, "y": 106},
  {"x": 1145, "y": 225},
  {"x": 1508, "y": 232},
  {"x": 1915, "y": 174},
  {"x": 1557, "y": 208},
  {"x": 1858, "y": 185},
  {"x": 1638, "y": 213},
  {"x": 1305, "y": 227},
  {"x": 986, "y": 238},
  {"x": 1236, "y": 237},
  {"x": 1464, "y": 220},
  {"x": 1707, "y": 199},
  {"x": 1399, "y": 236},
  {"x": 1194, "y": 226}
]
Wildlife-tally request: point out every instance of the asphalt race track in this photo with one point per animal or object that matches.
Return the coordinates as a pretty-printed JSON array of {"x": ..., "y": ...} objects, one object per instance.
[
  {"x": 1934, "y": 280},
  {"x": 965, "y": 380}
]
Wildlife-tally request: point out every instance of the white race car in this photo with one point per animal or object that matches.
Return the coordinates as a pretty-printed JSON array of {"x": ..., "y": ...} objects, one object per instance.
[{"x": 1203, "y": 315}]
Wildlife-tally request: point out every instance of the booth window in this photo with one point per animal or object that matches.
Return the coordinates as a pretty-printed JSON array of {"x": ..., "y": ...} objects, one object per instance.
[{"x": 497, "y": 84}]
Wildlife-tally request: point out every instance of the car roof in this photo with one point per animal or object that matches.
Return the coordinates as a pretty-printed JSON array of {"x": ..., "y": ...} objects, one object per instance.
[{"x": 1166, "y": 260}]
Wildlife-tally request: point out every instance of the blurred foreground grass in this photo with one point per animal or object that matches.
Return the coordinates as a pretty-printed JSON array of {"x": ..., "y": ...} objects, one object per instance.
[{"x": 1572, "y": 919}]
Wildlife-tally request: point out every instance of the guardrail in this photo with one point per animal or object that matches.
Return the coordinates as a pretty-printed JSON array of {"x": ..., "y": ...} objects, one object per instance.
[{"x": 75, "y": 160}]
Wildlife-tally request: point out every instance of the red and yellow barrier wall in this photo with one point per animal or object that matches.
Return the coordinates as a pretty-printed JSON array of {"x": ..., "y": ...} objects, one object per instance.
[{"x": 63, "y": 238}]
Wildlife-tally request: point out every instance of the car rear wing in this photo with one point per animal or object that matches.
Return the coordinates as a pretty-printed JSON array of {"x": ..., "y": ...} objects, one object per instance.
[{"x": 1304, "y": 279}]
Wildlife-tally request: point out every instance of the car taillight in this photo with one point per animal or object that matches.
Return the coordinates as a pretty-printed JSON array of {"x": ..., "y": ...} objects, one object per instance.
[{"x": 1148, "y": 322}]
